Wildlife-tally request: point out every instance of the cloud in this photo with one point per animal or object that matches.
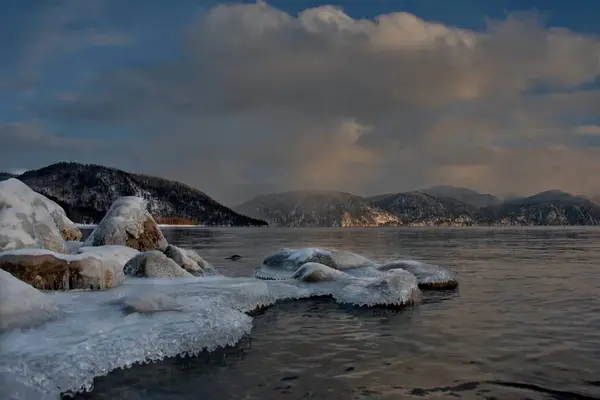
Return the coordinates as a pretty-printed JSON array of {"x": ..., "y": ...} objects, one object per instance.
[
  {"x": 26, "y": 136},
  {"x": 60, "y": 28},
  {"x": 261, "y": 100}
]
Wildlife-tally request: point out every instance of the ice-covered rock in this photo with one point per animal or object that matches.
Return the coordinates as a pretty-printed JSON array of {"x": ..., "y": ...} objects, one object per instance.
[
  {"x": 128, "y": 223},
  {"x": 428, "y": 275},
  {"x": 190, "y": 261},
  {"x": 315, "y": 272},
  {"x": 154, "y": 264},
  {"x": 25, "y": 221},
  {"x": 284, "y": 263},
  {"x": 21, "y": 305},
  {"x": 48, "y": 270}
]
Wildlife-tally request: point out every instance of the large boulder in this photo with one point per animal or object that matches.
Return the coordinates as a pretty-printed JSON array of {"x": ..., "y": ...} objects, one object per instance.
[
  {"x": 21, "y": 305},
  {"x": 190, "y": 261},
  {"x": 47, "y": 270},
  {"x": 16, "y": 194},
  {"x": 128, "y": 223},
  {"x": 25, "y": 221},
  {"x": 154, "y": 264}
]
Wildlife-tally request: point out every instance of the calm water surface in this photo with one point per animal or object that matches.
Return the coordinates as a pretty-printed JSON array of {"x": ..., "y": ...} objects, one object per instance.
[{"x": 525, "y": 323}]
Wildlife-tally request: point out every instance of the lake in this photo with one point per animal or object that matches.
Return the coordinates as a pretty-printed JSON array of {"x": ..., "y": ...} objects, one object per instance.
[{"x": 524, "y": 324}]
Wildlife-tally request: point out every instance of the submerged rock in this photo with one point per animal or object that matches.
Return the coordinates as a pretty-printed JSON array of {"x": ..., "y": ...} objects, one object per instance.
[
  {"x": 47, "y": 270},
  {"x": 190, "y": 261},
  {"x": 128, "y": 223},
  {"x": 154, "y": 264},
  {"x": 25, "y": 221},
  {"x": 21, "y": 305}
]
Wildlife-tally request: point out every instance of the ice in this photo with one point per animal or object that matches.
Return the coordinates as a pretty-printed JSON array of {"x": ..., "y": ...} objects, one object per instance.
[
  {"x": 21, "y": 305},
  {"x": 25, "y": 220},
  {"x": 148, "y": 319},
  {"x": 428, "y": 275},
  {"x": 284, "y": 263},
  {"x": 73, "y": 246},
  {"x": 118, "y": 254},
  {"x": 127, "y": 222}
]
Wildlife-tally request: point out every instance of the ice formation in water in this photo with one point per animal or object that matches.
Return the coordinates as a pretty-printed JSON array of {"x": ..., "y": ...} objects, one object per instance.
[
  {"x": 86, "y": 334},
  {"x": 428, "y": 275},
  {"x": 286, "y": 262}
]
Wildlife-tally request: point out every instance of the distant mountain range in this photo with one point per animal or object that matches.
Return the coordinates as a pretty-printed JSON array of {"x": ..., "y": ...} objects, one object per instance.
[
  {"x": 87, "y": 191},
  {"x": 317, "y": 209},
  {"x": 437, "y": 206}
]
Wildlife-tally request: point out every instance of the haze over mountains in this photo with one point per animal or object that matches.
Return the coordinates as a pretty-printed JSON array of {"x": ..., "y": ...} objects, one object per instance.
[{"x": 86, "y": 192}]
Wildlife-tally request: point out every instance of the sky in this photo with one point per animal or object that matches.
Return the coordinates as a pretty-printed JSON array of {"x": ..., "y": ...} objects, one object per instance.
[{"x": 246, "y": 98}]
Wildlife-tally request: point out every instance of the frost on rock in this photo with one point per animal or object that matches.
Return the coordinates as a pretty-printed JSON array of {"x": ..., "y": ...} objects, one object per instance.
[
  {"x": 428, "y": 275},
  {"x": 190, "y": 261},
  {"x": 128, "y": 223},
  {"x": 284, "y": 263},
  {"x": 47, "y": 270},
  {"x": 25, "y": 221},
  {"x": 117, "y": 254},
  {"x": 21, "y": 305},
  {"x": 154, "y": 264},
  {"x": 150, "y": 302}
]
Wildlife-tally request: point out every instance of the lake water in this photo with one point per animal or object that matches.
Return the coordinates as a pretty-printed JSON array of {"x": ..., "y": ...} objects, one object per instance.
[{"x": 524, "y": 324}]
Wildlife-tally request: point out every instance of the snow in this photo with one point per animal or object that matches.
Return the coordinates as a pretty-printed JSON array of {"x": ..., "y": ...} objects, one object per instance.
[
  {"x": 21, "y": 305},
  {"x": 125, "y": 217},
  {"x": 25, "y": 220},
  {"x": 73, "y": 246}
]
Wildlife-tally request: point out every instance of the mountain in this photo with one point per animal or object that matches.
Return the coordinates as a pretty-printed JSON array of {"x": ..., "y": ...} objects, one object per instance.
[
  {"x": 418, "y": 208},
  {"x": 316, "y": 209},
  {"x": 596, "y": 199},
  {"x": 6, "y": 175},
  {"x": 87, "y": 191},
  {"x": 463, "y": 195},
  {"x": 553, "y": 207}
]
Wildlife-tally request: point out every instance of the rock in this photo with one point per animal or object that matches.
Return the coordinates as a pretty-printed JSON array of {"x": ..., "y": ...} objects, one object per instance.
[
  {"x": 128, "y": 223},
  {"x": 25, "y": 221},
  {"x": 190, "y": 261},
  {"x": 315, "y": 272},
  {"x": 154, "y": 264},
  {"x": 234, "y": 257},
  {"x": 47, "y": 270},
  {"x": 21, "y": 305},
  {"x": 67, "y": 228},
  {"x": 150, "y": 302},
  {"x": 428, "y": 276}
]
